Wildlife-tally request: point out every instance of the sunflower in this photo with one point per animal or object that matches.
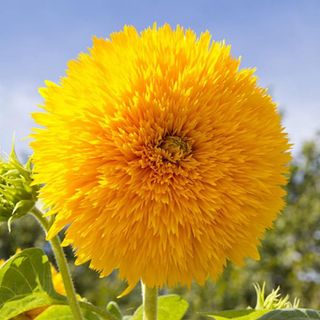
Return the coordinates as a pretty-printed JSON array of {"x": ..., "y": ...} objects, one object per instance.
[{"x": 163, "y": 157}]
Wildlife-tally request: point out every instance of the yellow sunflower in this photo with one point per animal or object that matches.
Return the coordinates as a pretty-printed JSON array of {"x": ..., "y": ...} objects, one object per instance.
[{"x": 161, "y": 155}]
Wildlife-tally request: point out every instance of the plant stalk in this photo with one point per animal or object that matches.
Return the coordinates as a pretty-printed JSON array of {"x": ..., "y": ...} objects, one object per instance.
[
  {"x": 62, "y": 264},
  {"x": 150, "y": 301}
]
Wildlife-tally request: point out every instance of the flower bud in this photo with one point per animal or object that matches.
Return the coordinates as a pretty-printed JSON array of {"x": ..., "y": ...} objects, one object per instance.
[{"x": 17, "y": 194}]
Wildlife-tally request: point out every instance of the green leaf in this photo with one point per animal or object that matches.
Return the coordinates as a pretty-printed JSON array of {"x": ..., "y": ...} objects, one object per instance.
[
  {"x": 63, "y": 313},
  {"x": 26, "y": 284},
  {"x": 292, "y": 314},
  {"x": 170, "y": 307},
  {"x": 114, "y": 309},
  {"x": 244, "y": 314},
  {"x": 21, "y": 208},
  {"x": 281, "y": 314}
]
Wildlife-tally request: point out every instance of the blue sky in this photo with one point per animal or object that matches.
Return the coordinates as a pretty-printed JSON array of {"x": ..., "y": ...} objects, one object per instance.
[{"x": 281, "y": 38}]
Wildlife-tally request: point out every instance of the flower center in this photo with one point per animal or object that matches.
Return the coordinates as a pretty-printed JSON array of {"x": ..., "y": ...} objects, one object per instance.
[{"x": 174, "y": 148}]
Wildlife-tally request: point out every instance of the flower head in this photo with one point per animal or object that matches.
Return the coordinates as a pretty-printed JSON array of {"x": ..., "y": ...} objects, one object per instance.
[{"x": 162, "y": 156}]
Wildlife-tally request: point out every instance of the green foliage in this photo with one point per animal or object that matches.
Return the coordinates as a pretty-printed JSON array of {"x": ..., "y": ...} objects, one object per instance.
[
  {"x": 26, "y": 284},
  {"x": 170, "y": 307},
  {"x": 245, "y": 314},
  {"x": 297, "y": 314},
  {"x": 283, "y": 314},
  {"x": 63, "y": 313},
  {"x": 114, "y": 309}
]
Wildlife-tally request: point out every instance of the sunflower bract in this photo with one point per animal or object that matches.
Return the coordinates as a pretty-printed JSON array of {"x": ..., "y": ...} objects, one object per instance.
[{"x": 163, "y": 157}]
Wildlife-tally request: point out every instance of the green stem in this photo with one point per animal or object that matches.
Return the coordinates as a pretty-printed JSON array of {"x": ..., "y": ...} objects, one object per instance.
[
  {"x": 150, "y": 300},
  {"x": 62, "y": 264},
  {"x": 103, "y": 313}
]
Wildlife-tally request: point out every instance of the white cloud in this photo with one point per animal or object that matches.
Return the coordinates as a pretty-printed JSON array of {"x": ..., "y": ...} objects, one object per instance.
[
  {"x": 301, "y": 122},
  {"x": 16, "y": 104},
  {"x": 301, "y": 114}
]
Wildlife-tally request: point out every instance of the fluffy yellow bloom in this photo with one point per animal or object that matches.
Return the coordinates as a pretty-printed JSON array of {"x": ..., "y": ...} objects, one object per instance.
[{"x": 161, "y": 155}]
